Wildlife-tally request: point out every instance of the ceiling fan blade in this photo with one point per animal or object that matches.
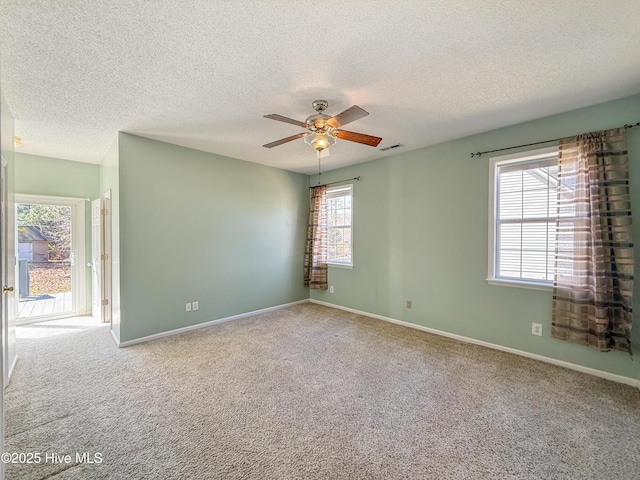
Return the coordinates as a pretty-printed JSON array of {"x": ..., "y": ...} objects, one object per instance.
[
  {"x": 285, "y": 140},
  {"x": 358, "y": 138},
  {"x": 349, "y": 115},
  {"x": 280, "y": 118}
]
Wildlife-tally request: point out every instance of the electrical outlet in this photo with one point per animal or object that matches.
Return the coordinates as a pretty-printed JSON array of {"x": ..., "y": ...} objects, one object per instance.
[
  {"x": 409, "y": 304},
  {"x": 536, "y": 329},
  {"x": 194, "y": 306},
  {"x": 331, "y": 289},
  {"x": 188, "y": 307}
]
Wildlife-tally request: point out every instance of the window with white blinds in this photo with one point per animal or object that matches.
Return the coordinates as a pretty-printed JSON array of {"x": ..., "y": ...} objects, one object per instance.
[
  {"x": 339, "y": 225},
  {"x": 523, "y": 223}
]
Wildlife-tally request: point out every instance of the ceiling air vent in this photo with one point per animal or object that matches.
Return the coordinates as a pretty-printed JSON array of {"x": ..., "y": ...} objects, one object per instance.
[{"x": 390, "y": 148}]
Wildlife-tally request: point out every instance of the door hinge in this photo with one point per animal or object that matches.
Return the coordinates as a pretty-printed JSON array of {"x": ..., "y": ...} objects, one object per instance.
[
  {"x": 105, "y": 302},
  {"x": 104, "y": 257},
  {"x": 104, "y": 211}
]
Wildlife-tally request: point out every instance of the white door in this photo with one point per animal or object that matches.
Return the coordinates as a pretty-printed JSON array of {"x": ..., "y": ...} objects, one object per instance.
[
  {"x": 8, "y": 293},
  {"x": 96, "y": 261},
  {"x": 106, "y": 257}
]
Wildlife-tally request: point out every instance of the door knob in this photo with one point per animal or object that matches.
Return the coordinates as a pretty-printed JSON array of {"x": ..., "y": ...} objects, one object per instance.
[{"x": 6, "y": 288}]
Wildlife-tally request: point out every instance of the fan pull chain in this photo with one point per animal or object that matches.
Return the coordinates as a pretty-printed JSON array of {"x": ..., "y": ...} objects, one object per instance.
[{"x": 319, "y": 172}]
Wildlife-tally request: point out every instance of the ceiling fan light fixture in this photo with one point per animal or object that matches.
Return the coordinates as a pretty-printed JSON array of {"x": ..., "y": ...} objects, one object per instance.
[{"x": 320, "y": 141}]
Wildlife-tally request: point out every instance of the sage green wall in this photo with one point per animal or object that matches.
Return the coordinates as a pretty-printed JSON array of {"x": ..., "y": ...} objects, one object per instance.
[
  {"x": 35, "y": 175},
  {"x": 421, "y": 234},
  {"x": 110, "y": 182},
  {"x": 198, "y": 226}
]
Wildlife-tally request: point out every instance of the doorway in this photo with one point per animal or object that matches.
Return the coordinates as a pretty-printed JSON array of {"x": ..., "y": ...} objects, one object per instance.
[{"x": 50, "y": 239}]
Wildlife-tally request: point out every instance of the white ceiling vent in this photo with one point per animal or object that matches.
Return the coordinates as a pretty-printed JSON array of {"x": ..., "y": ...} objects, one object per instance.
[{"x": 390, "y": 148}]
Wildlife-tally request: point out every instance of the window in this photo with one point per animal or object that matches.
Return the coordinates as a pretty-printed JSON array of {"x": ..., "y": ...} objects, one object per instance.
[
  {"x": 523, "y": 211},
  {"x": 339, "y": 223}
]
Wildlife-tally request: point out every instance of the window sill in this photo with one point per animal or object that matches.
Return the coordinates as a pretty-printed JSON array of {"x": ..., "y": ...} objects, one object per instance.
[
  {"x": 519, "y": 284},
  {"x": 341, "y": 265}
]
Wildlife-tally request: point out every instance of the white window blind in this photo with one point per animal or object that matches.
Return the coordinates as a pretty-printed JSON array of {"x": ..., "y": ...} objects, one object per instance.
[
  {"x": 339, "y": 223},
  {"x": 524, "y": 224}
]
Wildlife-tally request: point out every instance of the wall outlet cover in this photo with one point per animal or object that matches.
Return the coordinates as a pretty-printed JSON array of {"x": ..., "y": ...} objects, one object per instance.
[
  {"x": 194, "y": 306},
  {"x": 536, "y": 329},
  {"x": 188, "y": 307}
]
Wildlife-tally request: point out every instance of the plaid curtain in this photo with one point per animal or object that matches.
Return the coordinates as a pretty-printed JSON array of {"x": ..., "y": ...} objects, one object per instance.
[
  {"x": 315, "y": 253},
  {"x": 594, "y": 249}
]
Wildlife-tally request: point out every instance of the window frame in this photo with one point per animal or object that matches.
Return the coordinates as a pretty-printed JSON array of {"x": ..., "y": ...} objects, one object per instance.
[
  {"x": 525, "y": 157},
  {"x": 337, "y": 188}
]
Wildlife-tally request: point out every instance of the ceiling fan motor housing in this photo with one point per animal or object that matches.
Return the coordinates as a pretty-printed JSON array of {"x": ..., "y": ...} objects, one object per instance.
[{"x": 317, "y": 122}]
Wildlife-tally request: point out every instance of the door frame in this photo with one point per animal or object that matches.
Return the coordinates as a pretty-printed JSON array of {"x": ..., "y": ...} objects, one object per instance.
[{"x": 78, "y": 250}]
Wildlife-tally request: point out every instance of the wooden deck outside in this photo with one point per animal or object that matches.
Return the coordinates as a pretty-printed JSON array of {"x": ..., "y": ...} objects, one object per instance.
[{"x": 53, "y": 304}]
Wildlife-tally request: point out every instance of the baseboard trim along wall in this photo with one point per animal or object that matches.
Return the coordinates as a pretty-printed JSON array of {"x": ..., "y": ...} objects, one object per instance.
[
  {"x": 115, "y": 339},
  {"x": 591, "y": 371},
  {"x": 13, "y": 366},
  {"x": 205, "y": 324}
]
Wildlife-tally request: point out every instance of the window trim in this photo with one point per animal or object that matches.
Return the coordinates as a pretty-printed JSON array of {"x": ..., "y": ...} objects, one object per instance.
[
  {"x": 348, "y": 265},
  {"x": 494, "y": 163}
]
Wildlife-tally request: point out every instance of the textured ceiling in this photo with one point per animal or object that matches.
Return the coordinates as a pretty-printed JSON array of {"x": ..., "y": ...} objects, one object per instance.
[{"x": 202, "y": 73}]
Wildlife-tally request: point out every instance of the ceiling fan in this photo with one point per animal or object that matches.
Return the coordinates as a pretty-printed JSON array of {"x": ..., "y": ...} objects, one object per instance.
[{"x": 323, "y": 130}]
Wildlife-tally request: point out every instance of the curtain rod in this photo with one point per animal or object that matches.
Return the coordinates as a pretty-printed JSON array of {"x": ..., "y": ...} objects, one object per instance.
[
  {"x": 339, "y": 181},
  {"x": 477, "y": 154}
]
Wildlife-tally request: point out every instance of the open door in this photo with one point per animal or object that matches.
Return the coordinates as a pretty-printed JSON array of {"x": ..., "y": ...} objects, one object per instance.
[
  {"x": 105, "y": 214},
  {"x": 101, "y": 257},
  {"x": 8, "y": 275},
  {"x": 96, "y": 259}
]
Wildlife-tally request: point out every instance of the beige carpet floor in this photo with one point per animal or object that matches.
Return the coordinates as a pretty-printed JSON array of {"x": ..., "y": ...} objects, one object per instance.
[{"x": 312, "y": 392}]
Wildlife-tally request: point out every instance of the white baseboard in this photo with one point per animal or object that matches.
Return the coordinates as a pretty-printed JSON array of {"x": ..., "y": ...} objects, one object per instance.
[
  {"x": 13, "y": 366},
  {"x": 205, "y": 324},
  {"x": 591, "y": 371},
  {"x": 115, "y": 339}
]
